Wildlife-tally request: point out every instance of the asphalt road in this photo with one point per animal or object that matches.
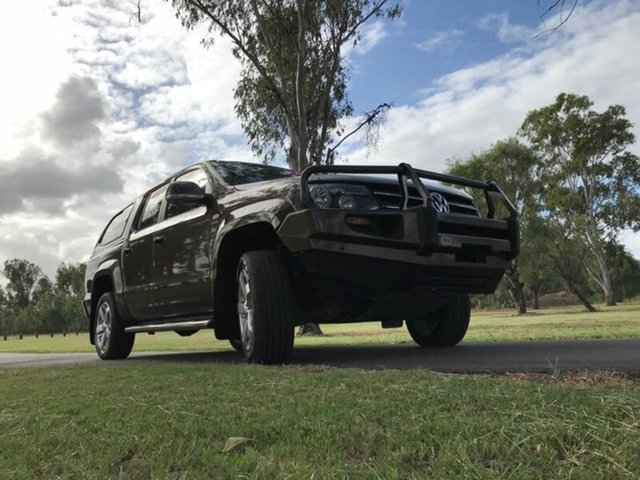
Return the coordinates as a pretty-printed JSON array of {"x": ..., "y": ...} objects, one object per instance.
[{"x": 504, "y": 357}]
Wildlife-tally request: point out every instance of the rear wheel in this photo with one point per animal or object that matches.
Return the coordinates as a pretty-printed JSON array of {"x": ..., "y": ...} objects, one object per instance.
[
  {"x": 444, "y": 327},
  {"x": 111, "y": 341},
  {"x": 265, "y": 307}
]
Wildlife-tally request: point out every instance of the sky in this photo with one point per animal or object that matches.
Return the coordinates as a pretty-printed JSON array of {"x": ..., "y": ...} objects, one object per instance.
[{"x": 97, "y": 107}]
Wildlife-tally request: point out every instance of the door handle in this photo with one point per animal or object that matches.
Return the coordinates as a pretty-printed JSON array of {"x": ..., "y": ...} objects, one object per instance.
[{"x": 158, "y": 239}]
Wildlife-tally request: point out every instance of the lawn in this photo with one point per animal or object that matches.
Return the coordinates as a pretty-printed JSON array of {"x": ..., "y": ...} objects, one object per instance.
[
  {"x": 173, "y": 422},
  {"x": 622, "y": 321}
]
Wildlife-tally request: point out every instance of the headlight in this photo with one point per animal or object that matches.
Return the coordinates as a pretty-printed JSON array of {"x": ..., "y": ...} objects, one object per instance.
[{"x": 345, "y": 196}]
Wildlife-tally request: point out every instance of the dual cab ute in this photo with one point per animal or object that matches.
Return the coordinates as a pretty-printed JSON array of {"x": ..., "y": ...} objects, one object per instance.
[{"x": 251, "y": 251}]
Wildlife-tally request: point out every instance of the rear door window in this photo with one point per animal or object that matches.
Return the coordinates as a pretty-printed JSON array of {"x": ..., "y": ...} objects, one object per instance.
[
  {"x": 152, "y": 207},
  {"x": 115, "y": 228}
]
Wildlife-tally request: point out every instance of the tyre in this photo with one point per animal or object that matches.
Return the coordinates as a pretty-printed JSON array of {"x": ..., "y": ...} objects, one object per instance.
[
  {"x": 111, "y": 341},
  {"x": 236, "y": 343},
  {"x": 444, "y": 327},
  {"x": 265, "y": 307}
]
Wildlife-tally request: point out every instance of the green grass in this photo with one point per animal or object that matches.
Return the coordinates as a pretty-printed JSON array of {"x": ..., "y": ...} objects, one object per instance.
[
  {"x": 172, "y": 422},
  {"x": 622, "y": 321}
]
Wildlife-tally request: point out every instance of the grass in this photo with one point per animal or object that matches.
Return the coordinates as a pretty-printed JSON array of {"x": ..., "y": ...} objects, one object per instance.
[
  {"x": 173, "y": 421},
  {"x": 622, "y": 321}
]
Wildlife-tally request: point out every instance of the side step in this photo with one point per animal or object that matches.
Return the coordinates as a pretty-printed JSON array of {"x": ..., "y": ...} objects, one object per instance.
[{"x": 163, "y": 327}]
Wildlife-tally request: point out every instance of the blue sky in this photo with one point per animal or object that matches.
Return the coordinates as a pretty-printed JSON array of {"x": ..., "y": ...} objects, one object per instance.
[
  {"x": 437, "y": 37},
  {"x": 97, "y": 108}
]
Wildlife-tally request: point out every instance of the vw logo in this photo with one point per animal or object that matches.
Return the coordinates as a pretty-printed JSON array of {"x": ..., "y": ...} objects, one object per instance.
[{"x": 439, "y": 202}]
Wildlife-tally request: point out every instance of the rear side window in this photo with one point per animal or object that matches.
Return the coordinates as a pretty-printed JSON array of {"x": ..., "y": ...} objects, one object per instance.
[
  {"x": 153, "y": 205},
  {"x": 115, "y": 228}
]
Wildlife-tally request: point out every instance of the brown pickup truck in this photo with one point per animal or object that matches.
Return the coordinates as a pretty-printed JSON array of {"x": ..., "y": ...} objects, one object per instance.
[{"x": 252, "y": 250}]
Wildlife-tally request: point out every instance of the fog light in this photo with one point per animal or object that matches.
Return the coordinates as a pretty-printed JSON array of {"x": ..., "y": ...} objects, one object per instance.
[{"x": 358, "y": 221}]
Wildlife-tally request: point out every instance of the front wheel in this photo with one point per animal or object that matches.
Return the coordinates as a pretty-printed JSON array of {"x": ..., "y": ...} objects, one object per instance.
[
  {"x": 236, "y": 343},
  {"x": 444, "y": 327},
  {"x": 265, "y": 307},
  {"x": 111, "y": 341}
]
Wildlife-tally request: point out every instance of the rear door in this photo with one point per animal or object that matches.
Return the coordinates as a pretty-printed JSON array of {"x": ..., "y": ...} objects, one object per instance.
[
  {"x": 140, "y": 289},
  {"x": 183, "y": 257}
]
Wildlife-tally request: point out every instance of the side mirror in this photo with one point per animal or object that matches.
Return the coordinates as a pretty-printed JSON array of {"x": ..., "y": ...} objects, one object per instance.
[{"x": 186, "y": 192}]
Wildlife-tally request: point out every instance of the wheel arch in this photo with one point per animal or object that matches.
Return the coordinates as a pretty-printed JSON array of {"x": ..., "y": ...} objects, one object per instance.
[
  {"x": 102, "y": 283},
  {"x": 107, "y": 278},
  {"x": 258, "y": 235}
]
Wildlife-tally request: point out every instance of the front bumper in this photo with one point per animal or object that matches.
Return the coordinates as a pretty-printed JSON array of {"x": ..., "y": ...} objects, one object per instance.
[{"x": 438, "y": 252}]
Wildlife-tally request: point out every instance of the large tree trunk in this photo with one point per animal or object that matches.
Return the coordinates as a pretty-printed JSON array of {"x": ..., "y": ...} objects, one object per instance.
[
  {"x": 577, "y": 291},
  {"x": 535, "y": 297},
  {"x": 301, "y": 101},
  {"x": 310, "y": 329},
  {"x": 602, "y": 276},
  {"x": 607, "y": 287},
  {"x": 515, "y": 287}
]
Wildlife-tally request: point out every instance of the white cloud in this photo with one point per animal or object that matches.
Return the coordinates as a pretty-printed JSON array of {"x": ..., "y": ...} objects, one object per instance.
[
  {"x": 371, "y": 35},
  {"x": 446, "y": 41},
  {"x": 97, "y": 107},
  {"x": 507, "y": 32}
]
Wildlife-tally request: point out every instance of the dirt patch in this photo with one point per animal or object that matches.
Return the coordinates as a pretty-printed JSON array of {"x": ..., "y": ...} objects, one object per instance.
[{"x": 559, "y": 299}]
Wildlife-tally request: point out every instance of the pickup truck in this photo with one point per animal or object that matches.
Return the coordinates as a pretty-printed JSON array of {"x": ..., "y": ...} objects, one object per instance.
[{"x": 252, "y": 250}]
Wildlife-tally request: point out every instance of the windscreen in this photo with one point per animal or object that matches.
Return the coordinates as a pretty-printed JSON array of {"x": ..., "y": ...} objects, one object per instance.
[{"x": 239, "y": 173}]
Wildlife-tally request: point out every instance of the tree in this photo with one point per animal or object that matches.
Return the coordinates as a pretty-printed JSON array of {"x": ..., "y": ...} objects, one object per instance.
[
  {"x": 23, "y": 277},
  {"x": 592, "y": 181},
  {"x": 566, "y": 253},
  {"x": 70, "y": 279},
  {"x": 535, "y": 265},
  {"x": 512, "y": 165},
  {"x": 625, "y": 272},
  {"x": 293, "y": 89},
  {"x": 69, "y": 291},
  {"x": 3, "y": 314}
]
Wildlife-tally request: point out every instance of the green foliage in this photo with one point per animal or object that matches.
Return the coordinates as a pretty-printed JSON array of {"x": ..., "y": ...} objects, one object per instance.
[
  {"x": 591, "y": 180},
  {"x": 293, "y": 89},
  {"x": 625, "y": 272},
  {"x": 22, "y": 277},
  {"x": 513, "y": 166},
  {"x": 38, "y": 306}
]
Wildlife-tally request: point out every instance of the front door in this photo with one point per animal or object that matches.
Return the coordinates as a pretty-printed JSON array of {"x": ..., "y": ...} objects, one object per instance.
[{"x": 183, "y": 255}]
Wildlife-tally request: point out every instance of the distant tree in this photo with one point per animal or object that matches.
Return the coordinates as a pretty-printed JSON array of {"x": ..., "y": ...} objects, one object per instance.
[
  {"x": 625, "y": 272},
  {"x": 565, "y": 252},
  {"x": 293, "y": 89},
  {"x": 69, "y": 290},
  {"x": 535, "y": 265},
  {"x": 592, "y": 182},
  {"x": 22, "y": 277},
  {"x": 3, "y": 298},
  {"x": 4, "y": 321},
  {"x": 43, "y": 288},
  {"x": 70, "y": 278},
  {"x": 512, "y": 165}
]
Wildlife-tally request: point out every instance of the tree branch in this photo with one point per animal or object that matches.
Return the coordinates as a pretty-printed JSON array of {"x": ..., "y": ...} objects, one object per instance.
[{"x": 368, "y": 120}]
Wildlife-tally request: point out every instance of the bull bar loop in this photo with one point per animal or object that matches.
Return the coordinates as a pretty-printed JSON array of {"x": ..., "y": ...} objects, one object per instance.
[{"x": 406, "y": 172}]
